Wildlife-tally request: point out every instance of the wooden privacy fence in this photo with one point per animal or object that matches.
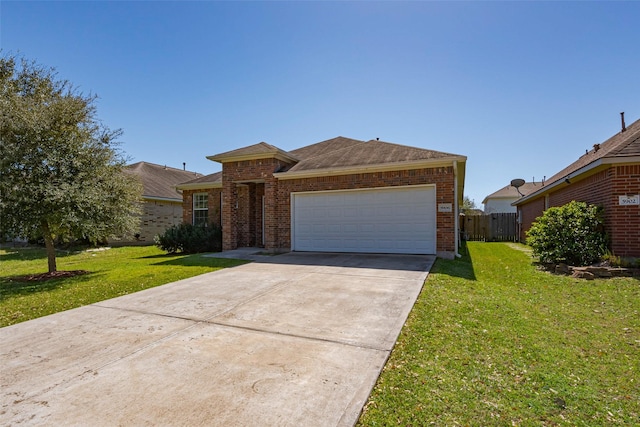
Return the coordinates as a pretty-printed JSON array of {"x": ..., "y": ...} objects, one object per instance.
[{"x": 494, "y": 227}]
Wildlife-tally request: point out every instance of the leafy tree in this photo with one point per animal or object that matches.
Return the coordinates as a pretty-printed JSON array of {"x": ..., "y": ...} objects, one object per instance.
[
  {"x": 468, "y": 205},
  {"x": 60, "y": 174},
  {"x": 573, "y": 233}
]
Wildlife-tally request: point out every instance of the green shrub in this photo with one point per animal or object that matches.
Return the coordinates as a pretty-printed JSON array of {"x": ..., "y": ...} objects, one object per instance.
[
  {"x": 573, "y": 234},
  {"x": 190, "y": 239}
]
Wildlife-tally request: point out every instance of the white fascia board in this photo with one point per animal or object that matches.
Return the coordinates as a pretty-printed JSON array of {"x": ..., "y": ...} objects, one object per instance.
[
  {"x": 384, "y": 167},
  {"x": 596, "y": 164},
  {"x": 199, "y": 186},
  {"x": 160, "y": 199},
  {"x": 278, "y": 155}
]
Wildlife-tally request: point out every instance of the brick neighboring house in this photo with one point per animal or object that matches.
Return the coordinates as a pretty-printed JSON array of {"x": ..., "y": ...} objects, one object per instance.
[
  {"x": 162, "y": 204},
  {"x": 338, "y": 195},
  {"x": 608, "y": 175}
]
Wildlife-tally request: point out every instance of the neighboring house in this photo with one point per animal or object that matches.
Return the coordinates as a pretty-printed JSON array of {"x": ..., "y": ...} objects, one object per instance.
[
  {"x": 501, "y": 201},
  {"x": 608, "y": 175},
  {"x": 339, "y": 195},
  {"x": 162, "y": 204}
]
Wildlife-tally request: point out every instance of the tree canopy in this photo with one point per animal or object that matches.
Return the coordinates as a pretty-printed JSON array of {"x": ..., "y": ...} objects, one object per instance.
[
  {"x": 468, "y": 205},
  {"x": 61, "y": 176}
]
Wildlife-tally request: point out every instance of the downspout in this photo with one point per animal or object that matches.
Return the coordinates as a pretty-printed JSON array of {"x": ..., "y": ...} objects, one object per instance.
[{"x": 456, "y": 214}]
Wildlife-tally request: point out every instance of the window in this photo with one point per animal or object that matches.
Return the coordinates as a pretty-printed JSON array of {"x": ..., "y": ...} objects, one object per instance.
[{"x": 200, "y": 209}]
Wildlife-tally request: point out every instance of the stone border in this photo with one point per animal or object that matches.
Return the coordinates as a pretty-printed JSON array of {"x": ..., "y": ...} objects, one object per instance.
[{"x": 593, "y": 272}]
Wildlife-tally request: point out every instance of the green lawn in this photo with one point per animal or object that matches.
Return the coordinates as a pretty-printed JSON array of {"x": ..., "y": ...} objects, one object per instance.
[
  {"x": 112, "y": 272},
  {"x": 492, "y": 341}
]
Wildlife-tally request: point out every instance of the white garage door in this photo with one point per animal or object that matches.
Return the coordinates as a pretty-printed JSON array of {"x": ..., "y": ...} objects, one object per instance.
[{"x": 388, "y": 220}]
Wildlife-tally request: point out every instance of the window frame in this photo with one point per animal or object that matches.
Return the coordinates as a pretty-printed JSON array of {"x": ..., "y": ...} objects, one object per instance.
[{"x": 199, "y": 207}]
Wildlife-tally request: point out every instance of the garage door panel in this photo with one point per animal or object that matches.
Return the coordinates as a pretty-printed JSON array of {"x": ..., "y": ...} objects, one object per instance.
[{"x": 391, "y": 220}]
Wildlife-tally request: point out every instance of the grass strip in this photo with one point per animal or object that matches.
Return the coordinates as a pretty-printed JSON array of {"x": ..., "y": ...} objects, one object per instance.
[
  {"x": 493, "y": 341},
  {"x": 111, "y": 273}
]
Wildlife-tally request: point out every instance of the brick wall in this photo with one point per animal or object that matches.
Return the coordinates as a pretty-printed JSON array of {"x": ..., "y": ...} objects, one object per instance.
[
  {"x": 528, "y": 214},
  {"x": 213, "y": 201},
  {"x": 242, "y": 206},
  {"x": 442, "y": 177},
  {"x": 622, "y": 223},
  {"x": 156, "y": 217},
  {"x": 243, "y": 203}
]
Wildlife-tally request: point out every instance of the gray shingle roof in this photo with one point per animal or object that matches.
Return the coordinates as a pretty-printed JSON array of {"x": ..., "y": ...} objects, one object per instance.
[
  {"x": 510, "y": 192},
  {"x": 622, "y": 144},
  {"x": 618, "y": 147},
  {"x": 324, "y": 147},
  {"x": 160, "y": 181},
  {"x": 255, "y": 150},
  {"x": 213, "y": 178},
  {"x": 343, "y": 152}
]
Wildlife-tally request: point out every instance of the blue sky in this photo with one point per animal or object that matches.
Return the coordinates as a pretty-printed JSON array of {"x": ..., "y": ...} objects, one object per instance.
[{"x": 520, "y": 88}]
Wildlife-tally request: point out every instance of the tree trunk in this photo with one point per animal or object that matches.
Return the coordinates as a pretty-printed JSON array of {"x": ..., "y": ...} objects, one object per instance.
[{"x": 51, "y": 250}]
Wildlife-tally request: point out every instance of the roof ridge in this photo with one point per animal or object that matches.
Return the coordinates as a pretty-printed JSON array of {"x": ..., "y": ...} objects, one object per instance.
[
  {"x": 609, "y": 148},
  {"x": 409, "y": 146},
  {"x": 165, "y": 167},
  {"x": 332, "y": 151}
]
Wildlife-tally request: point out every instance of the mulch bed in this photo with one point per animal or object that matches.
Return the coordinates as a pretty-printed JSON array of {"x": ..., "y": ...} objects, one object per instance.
[{"x": 42, "y": 277}]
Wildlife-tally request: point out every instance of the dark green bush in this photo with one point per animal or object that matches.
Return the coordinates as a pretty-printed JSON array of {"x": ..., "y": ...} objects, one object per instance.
[
  {"x": 573, "y": 234},
  {"x": 190, "y": 239}
]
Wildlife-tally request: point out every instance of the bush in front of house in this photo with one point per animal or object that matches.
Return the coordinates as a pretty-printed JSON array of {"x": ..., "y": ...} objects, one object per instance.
[
  {"x": 190, "y": 239},
  {"x": 571, "y": 234}
]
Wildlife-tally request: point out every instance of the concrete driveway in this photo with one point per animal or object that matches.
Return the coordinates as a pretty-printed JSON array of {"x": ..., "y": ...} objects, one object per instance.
[{"x": 289, "y": 340}]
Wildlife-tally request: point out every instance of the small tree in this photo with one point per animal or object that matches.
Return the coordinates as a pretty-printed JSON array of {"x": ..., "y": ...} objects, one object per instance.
[
  {"x": 573, "y": 233},
  {"x": 468, "y": 205},
  {"x": 60, "y": 175}
]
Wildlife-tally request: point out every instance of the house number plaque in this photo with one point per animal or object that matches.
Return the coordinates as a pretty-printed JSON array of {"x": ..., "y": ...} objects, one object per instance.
[
  {"x": 445, "y": 207},
  {"x": 629, "y": 200}
]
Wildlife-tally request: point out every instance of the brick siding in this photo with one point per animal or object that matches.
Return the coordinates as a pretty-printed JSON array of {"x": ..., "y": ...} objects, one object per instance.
[
  {"x": 242, "y": 207},
  {"x": 622, "y": 223},
  {"x": 156, "y": 217},
  {"x": 442, "y": 177},
  {"x": 213, "y": 202}
]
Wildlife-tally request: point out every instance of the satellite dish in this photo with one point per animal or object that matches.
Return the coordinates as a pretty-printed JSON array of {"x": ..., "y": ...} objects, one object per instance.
[{"x": 517, "y": 183}]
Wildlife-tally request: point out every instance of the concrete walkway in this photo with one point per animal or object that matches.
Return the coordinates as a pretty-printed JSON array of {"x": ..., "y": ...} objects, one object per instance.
[{"x": 288, "y": 340}]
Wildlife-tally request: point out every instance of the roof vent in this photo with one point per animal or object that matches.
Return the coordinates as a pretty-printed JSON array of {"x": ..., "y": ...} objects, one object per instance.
[{"x": 622, "y": 119}]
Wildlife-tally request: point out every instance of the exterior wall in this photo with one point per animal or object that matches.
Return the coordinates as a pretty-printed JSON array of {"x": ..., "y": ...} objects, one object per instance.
[
  {"x": 242, "y": 213},
  {"x": 156, "y": 217},
  {"x": 499, "y": 206},
  {"x": 213, "y": 202},
  {"x": 622, "y": 223},
  {"x": 527, "y": 214},
  {"x": 442, "y": 177}
]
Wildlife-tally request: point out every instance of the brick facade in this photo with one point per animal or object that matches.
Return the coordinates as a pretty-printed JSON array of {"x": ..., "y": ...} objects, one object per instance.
[
  {"x": 442, "y": 177},
  {"x": 156, "y": 217},
  {"x": 213, "y": 201},
  {"x": 257, "y": 181},
  {"x": 246, "y": 183},
  {"x": 622, "y": 223}
]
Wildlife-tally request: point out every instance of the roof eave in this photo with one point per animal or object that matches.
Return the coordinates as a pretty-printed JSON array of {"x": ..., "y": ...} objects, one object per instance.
[
  {"x": 381, "y": 167},
  {"x": 599, "y": 163},
  {"x": 278, "y": 155},
  {"x": 199, "y": 186},
  {"x": 161, "y": 199}
]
